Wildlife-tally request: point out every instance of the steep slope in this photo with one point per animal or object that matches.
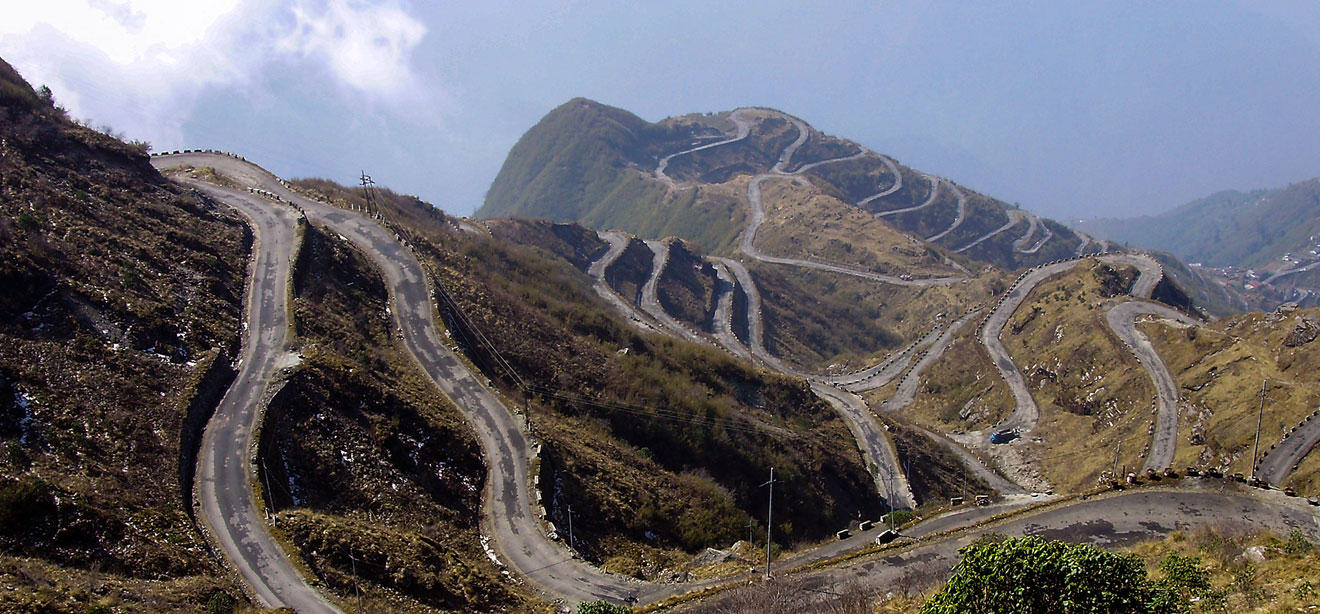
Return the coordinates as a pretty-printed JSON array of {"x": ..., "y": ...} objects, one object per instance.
[
  {"x": 650, "y": 468},
  {"x": 683, "y": 177},
  {"x": 119, "y": 319},
  {"x": 1243, "y": 229}
]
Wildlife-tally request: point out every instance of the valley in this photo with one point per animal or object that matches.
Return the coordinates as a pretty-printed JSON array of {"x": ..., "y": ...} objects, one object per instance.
[{"x": 580, "y": 394}]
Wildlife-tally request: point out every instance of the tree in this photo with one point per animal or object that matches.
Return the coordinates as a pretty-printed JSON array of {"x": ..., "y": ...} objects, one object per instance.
[
  {"x": 47, "y": 96},
  {"x": 1030, "y": 575}
]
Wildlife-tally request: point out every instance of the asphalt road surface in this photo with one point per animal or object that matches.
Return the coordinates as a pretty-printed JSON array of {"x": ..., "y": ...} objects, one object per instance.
[
  {"x": 723, "y": 325},
  {"x": 520, "y": 539},
  {"x": 877, "y": 449},
  {"x": 618, "y": 243},
  {"x": 1014, "y": 216},
  {"x": 957, "y": 220},
  {"x": 651, "y": 298},
  {"x": 934, "y": 193},
  {"x": 1122, "y": 319},
  {"x": 1281, "y": 459},
  {"x": 1109, "y": 521},
  {"x": 743, "y": 129},
  {"x": 224, "y": 466},
  {"x": 898, "y": 183}
]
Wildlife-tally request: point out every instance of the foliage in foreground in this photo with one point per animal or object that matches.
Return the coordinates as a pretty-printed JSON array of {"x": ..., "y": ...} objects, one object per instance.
[{"x": 1029, "y": 574}]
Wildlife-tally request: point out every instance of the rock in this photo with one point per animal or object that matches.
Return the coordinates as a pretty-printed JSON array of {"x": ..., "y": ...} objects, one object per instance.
[
  {"x": 711, "y": 556},
  {"x": 1255, "y": 554},
  {"x": 1305, "y": 331}
]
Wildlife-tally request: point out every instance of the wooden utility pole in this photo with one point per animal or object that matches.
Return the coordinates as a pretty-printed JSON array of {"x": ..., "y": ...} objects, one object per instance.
[
  {"x": 769, "y": 521},
  {"x": 1260, "y": 416}
]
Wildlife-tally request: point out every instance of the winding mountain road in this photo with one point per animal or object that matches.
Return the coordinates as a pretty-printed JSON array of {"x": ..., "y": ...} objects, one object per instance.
[
  {"x": 651, "y": 298},
  {"x": 1026, "y": 413},
  {"x": 1020, "y": 245},
  {"x": 875, "y": 445},
  {"x": 618, "y": 243},
  {"x": 930, "y": 199},
  {"x": 743, "y": 128},
  {"x": 224, "y": 464},
  {"x": 907, "y": 388},
  {"x": 723, "y": 325},
  {"x": 519, "y": 538},
  {"x": 1281, "y": 459},
  {"x": 1122, "y": 319},
  {"x": 957, "y": 220},
  {"x": 1108, "y": 521},
  {"x": 898, "y": 183},
  {"x": 1014, "y": 216}
]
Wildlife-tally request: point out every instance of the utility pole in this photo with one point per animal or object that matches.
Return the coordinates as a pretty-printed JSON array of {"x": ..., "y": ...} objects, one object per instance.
[
  {"x": 367, "y": 183},
  {"x": 769, "y": 521},
  {"x": 571, "y": 544},
  {"x": 356, "y": 590},
  {"x": 1117, "y": 452},
  {"x": 270, "y": 496},
  {"x": 1260, "y": 416}
]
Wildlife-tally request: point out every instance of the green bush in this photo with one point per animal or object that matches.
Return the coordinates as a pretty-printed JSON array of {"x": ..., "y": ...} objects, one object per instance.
[
  {"x": 601, "y": 607},
  {"x": 1030, "y": 575},
  {"x": 220, "y": 603}
]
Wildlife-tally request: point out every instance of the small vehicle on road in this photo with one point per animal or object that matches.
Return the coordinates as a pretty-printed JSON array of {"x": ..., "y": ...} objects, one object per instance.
[{"x": 1003, "y": 436}]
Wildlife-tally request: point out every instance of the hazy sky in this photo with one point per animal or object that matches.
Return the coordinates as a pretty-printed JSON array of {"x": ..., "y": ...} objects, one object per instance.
[{"x": 1071, "y": 109}]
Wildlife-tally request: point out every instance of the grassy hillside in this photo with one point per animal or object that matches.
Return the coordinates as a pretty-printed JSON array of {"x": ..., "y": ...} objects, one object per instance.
[
  {"x": 364, "y": 459},
  {"x": 594, "y": 164},
  {"x": 1244, "y": 229},
  {"x": 656, "y": 444},
  {"x": 120, "y": 311},
  {"x": 1220, "y": 370}
]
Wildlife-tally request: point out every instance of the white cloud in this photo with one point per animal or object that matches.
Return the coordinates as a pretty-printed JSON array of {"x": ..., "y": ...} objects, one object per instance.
[
  {"x": 368, "y": 47},
  {"x": 140, "y": 65}
]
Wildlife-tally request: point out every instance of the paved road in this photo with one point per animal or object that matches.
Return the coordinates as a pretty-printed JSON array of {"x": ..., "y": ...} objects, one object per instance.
[
  {"x": 1272, "y": 278},
  {"x": 757, "y": 218},
  {"x": 1026, "y": 413},
  {"x": 1049, "y": 234},
  {"x": 618, "y": 243},
  {"x": 651, "y": 298},
  {"x": 744, "y": 128},
  {"x": 224, "y": 466},
  {"x": 1086, "y": 240},
  {"x": 898, "y": 183},
  {"x": 1110, "y": 521},
  {"x": 876, "y": 447},
  {"x": 1282, "y": 458},
  {"x": 723, "y": 325},
  {"x": 1122, "y": 319},
  {"x": 907, "y": 388},
  {"x": 883, "y": 372},
  {"x": 1020, "y": 245},
  {"x": 930, "y": 200},
  {"x": 519, "y": 538},
  {"x": 1014, "y": 216},
  {"x": 957, "y": 220}
]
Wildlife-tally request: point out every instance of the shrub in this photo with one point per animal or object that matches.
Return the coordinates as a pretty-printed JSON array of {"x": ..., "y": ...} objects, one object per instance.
[
  {"x": 24, "y": 505},
  {"x": 1031, "y": 575},
  {"x": 220, "y": 603},
  {"x": 601, "y": 607}
]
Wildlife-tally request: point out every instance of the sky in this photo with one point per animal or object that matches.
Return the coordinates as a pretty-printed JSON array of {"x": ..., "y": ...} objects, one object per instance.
[{"x": 1071, "y": 109}]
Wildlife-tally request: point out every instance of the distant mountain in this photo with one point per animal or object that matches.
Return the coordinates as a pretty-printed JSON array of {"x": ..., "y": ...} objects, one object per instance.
[
  {"x": 688, "y": 176},
  {"x": 1243, "y": 229}
]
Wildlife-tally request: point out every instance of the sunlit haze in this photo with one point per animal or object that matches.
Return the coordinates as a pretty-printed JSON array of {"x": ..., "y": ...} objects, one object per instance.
[{"x": 1071, "y": 109}]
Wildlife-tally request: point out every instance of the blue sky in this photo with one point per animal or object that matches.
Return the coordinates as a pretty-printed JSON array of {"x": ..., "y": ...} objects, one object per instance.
[{"x": 1071, "y": 109}]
